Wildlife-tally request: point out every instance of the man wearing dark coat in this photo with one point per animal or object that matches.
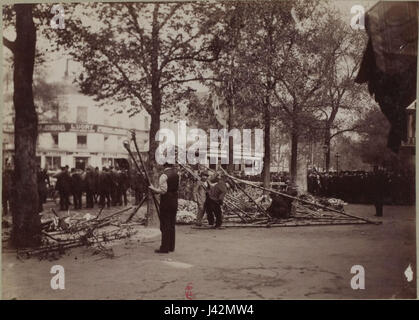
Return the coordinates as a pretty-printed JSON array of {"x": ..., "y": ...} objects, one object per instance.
[
  {"x": 113, "y": 176},
  {"x": 63, "y": 186},
  {"x": 215, "y": 200},
  {"x": 90, "y": 185},
  {"x": 123, "y": 185},
  {"x": 168, "y": 190},
  {"x": 77, "y": 188},
  {"x": 138, "y": 186},
  {"x": 104, "y": 188}
]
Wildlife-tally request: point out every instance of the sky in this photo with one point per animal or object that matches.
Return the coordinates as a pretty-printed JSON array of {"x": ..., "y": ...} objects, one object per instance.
[{"x": 55, "y": 64}]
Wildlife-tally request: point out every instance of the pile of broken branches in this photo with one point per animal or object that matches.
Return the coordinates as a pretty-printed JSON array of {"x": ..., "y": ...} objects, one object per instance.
[{"x": 63, "y": 233}]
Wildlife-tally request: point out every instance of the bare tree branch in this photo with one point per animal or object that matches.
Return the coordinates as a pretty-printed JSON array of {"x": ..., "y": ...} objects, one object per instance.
[
  {"x": 188, "y": 80},
  {"x": 9, "y": 44}
]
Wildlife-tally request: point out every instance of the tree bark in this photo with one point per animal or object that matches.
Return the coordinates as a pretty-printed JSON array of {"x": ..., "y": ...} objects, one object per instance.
[
  {"x": 26, "y": 220},
  {"x": 230, "y": 166},
  {"x": 156, "y": 101},
  {"x": 266, "y": 172},
  {"x": 327, "y": 143},
  {"x": 294, "y": 153}
]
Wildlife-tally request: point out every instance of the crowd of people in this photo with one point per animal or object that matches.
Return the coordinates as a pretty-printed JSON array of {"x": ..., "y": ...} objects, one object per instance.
[
  {"x": 107, "y": 187},
  {"x": 398, "y": 188}
]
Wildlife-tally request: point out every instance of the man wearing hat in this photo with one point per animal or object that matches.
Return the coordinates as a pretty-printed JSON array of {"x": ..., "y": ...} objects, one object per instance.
[
  {"x": 215, "y": 200},
  {"x": 200, "y": 196}
]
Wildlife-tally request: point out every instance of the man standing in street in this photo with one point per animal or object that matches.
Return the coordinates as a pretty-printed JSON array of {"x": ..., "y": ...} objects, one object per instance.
[
  {"x": 215, "y": 201},
  {"x": 138, "y": 186},
  {"x": 200, "y": 196},
  {"x": 63, "y": 187},
  {"x": 76, "y": 188},
  {"x": 168, "y": 190},
  {"x": 104, "y": 188},
  {"x": 90, "y": 185},
  {"x": 378, "y": 189}
]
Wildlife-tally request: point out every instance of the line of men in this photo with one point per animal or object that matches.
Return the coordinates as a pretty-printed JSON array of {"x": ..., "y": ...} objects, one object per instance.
[
  {"x": 108, "y": 187},
  {"x": 359, "y": 186}
]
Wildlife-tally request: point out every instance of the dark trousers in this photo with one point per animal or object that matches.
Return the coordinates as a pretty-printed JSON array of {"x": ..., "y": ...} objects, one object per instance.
[
  {"x": 77, "y": 200},
  {"x": 114, "y": 197},
  {"x": 121, "y": 196},
  {"x": 168, "y": 210},
  {"x": 214, "y": 208},
  {"x": 124, "y": 197},
  {"x": 89, "y": 199},
  {"x": 378, "y": 208},
  {"x": 104, "y": 196},
  {"x": 64, "y": 202}
]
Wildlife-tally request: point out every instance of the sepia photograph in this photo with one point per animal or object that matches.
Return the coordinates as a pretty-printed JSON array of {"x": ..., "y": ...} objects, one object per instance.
[{"x": 209, "y": 150}]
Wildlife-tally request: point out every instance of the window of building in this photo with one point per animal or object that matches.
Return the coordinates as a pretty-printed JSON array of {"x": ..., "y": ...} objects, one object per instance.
[
  {"x": 54, "y": 139},
  {"x": 53, "y": 163},
  {"x": 107, "y": 162},
  {"x": 81, "y": 141},
  {"x": 146, "y": 122},
  {"x": 248, "y": 164},
  {"x": 81, "y": 114}
]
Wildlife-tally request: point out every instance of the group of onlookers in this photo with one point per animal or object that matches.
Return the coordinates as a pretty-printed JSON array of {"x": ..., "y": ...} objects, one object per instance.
[{"x": 360, "y": 186}]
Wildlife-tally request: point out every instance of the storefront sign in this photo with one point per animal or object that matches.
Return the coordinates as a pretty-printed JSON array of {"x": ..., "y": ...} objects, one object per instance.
[{"x": 80, "y": 127}]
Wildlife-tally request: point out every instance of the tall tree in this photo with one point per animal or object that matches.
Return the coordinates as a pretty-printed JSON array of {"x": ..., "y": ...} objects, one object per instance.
[
  {"x": 343, "y": 100},
  {"x": 292, "y": 70},
  {"x": 26, "y": 221},
  {"x": 143, "y": 53}
]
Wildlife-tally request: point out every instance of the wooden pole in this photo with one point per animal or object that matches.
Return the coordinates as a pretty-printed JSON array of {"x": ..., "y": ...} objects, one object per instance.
[
  {"x": 147, "y": 178},
  {"x": 244, "y": 191}
]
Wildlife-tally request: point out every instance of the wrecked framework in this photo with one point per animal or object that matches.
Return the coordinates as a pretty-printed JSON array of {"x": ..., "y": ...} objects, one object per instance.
[
  {"x": 241, "y": 209},
  {"x": 238, "y": 212},
  {"x": 63, "y": 233}
]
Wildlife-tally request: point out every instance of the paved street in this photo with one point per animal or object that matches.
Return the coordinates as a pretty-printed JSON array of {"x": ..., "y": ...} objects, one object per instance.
[{"x": 275, "y": 263}]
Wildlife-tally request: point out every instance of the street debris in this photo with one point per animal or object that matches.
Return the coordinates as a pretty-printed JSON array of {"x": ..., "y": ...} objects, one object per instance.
[
  {"x": 246, "y": 204},
  {"x": 98, "y": 233}
]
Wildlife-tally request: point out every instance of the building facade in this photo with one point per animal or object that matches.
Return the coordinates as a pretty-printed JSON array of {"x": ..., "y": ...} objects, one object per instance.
[{"x": 78, "y": 132}]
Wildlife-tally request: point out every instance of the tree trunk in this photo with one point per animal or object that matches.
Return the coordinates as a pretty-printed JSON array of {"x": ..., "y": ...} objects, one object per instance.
[
  {"x": 230, "y": 166},
  {"x": 327, "y": 143},
  {"x": 294, "y": 154},
  {"x": 266, "y": 172},
  {"x": 26, "y": 220},
  {"x": 156, "y": 101}
]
